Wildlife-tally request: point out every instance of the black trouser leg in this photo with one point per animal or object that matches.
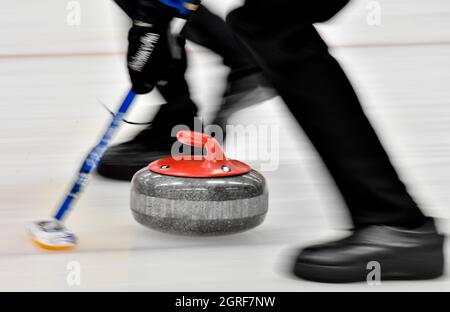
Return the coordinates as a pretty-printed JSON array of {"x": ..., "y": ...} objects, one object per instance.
[
  {"x": 128, "y": 6},
  {"x": 296, "y": 61},
  {"x": 175, "y": 89},
  {"x": 211, "y": 31}
]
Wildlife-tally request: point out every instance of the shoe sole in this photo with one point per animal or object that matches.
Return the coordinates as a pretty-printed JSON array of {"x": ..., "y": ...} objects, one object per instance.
[{"x": 421, "y": 266}]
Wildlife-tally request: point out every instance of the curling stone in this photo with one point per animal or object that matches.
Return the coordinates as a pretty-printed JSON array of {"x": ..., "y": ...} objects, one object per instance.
[{"x": 199, "y": 195}]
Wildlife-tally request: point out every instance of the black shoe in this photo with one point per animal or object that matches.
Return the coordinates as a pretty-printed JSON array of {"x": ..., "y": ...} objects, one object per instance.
[
  {"x": 402, "y": 254},
  {"x": 241, "y": 93},
  {"x": 122, "y": 161}
]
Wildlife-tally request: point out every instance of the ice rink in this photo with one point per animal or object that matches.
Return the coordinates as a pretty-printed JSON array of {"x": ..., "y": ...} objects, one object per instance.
[{"x": 54, "y": 78}]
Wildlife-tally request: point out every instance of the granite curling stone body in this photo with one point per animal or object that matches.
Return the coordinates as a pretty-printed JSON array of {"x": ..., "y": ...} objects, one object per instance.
[{"x": 207, "y": 196}]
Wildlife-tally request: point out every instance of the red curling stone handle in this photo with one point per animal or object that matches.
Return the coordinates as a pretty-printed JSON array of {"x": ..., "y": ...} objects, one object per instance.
[{"x": 214, "y": 151}]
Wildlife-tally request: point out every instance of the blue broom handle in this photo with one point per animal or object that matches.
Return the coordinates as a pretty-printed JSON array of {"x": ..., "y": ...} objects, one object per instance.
[{"x": 94, "y": 158}]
